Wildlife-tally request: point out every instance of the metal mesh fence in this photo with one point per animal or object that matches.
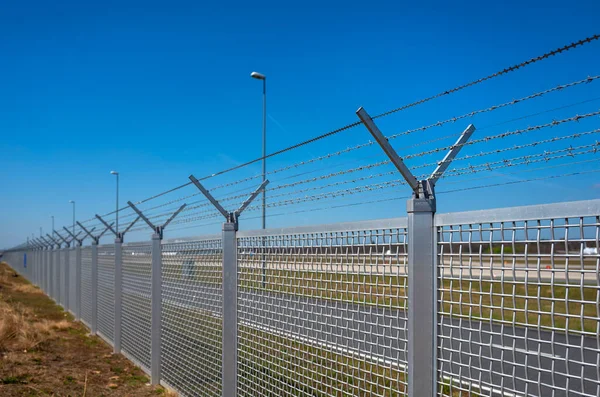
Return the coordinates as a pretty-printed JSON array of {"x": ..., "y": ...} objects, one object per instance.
[
  {"x": 519, "y": 306},
  {"x": 72, "y": 279},
  {"x": 106, "y": 287},
  {"x": 56, "y": 265},
  {"x": 192, "y": 326},
  {"x": 323, "y": 312},
  {"x": 137, "y": 316},
  {"x": 62, "y": 269},
  {"x": 86, "y": 285}
]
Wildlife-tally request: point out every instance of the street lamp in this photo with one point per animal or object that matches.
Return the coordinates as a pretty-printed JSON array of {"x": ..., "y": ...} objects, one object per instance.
[
  {"x": 52, "y": 216},
  {"x": 73, "y": 202},
  {"x": 260, "y": 76},
  {"x": 117, "y": 221}
]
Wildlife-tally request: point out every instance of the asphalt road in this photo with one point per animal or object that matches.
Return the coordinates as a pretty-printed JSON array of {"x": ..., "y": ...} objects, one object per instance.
[{"x": 482, "y": 354}]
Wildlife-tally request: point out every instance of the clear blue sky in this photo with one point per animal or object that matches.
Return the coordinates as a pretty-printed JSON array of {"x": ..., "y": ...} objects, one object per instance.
[{"x": 159, "y": 90}]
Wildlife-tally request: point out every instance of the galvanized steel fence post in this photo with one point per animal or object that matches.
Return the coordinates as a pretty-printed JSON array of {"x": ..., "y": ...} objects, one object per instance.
[
  {"x": 230, "y": 320},
  {"x": 118, "y": 285},
  {"x": 66, "y": 276},
  {"x": 422, "y": 264},
  {"x": 94, "y": 320},
  {"x": 94, "y": 276},
  {"x": 156, "y": 297},
  {"x": 78, "y": 243},
  {"x": 118, "y": 293},
  {"x": 422, "y": 290},
  {"x": 156, "y": 294},
  {"x": 51, "y": 272},
  {"x": 48, "y": 271},
  {"x": 78, "y": 281},
  {"x": 229, "y": 356}
]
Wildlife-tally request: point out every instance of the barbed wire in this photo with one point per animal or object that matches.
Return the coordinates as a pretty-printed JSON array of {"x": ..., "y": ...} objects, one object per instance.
[
  {"x": 397, "y": 198},
  {"x": 528, "y": 159},
  {"x": 484, "y": 139},
  {"x": 385, "y": 162},
  {"x": 420, "y": 129},
  {"x": 404, "y": 107},
  {"x": 416, "y": 103},
  {"x": 505, "y": 163},
  {"x": 499, "y": 73},
  {"x": 521, "y": 131}
]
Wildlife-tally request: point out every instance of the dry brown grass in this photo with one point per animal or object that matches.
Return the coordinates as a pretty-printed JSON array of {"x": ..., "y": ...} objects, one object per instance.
[
  {"x": 44, "y": 353},
  {"x": 18, "y": 332}
]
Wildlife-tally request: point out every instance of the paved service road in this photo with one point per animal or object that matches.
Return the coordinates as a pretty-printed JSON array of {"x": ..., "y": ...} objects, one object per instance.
[{"x": 524, "y": 360}]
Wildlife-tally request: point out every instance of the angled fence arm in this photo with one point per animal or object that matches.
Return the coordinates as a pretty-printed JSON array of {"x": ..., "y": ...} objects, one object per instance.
[
  {"x": 141, "y": 215},
  {"x": 62, "y": 238},
  {"x": 46, "y": 242},
  {"x": 130, "y": 225},
  {"x": 104, "y": 231},
  {"x": 388, "y": 149},
  {"x": 173, "y": 216},
  {"x": 109, "y": 227},
  {"x": 246, "y": 203},
  {"x": 445, "y": 163},
  {"x": 88, "y": 232},
  {"x": 53, "y": 240},
  {"x": 73, "y": 236},
  {"x": 209, "y": 196}
]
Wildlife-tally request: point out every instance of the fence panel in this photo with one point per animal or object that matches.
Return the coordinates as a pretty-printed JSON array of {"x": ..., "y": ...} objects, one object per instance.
[
  {"x": 86, "y": 285},
  {"x": 62, "y": 268},
  {"x": 191, "y": 323},
  {"x": 56, "y": 265},
  {"x": 72, "y": 279},
  {"x": 519, "y": 304},
  {"x": 137, "y": 315},
  {"x": 327, "y": 315},
  {"x": 106, "y": 287}
]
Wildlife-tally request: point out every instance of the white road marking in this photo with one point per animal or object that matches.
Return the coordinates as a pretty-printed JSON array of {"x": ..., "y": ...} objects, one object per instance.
[{"x": 527, "y": 352}]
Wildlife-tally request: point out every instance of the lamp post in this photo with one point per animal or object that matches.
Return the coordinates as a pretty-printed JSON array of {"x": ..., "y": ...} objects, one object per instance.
[
  {"x": 117, "y": 204},
  {"x": 52, "y": 216},
  {"x": 260, "y": 76},
  {"x": 73, "y": 202}
]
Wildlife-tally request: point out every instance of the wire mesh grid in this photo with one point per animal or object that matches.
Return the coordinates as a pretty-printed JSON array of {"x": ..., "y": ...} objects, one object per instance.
[
  {"x": 191, "y": 322},
  {"x": 136, "y": 311},
  {"x": 86, "y": 285},
  {"x": 48, "y": 271},
  {"x": 57, "y": 264},
  {"x": 323, "y": 313},
  {"x": 72, "y": 279},
  {"x": 64, "y": 257},
  {"x": 519, "y": 306},
  {"x": 106, "y": 288}
]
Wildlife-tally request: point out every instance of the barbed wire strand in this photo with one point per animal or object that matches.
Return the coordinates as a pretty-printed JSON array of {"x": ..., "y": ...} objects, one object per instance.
[{"x": 404, "y": 107}]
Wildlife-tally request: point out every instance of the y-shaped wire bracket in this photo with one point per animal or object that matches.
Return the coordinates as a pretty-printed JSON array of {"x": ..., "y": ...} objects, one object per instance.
[
  {"x": 53, "y": 241},
  {"x": 421, "y": 189},
  {"x": 230, "y": 217},
  {"x": 74, "y": 237},
  {"x": 47, "y": 243},
  {"x": 96, "y": 238},
  {"x": 67, "y": 242},
  {"x": 157, "y": 229},
  {"x": 119, "y": 235}
]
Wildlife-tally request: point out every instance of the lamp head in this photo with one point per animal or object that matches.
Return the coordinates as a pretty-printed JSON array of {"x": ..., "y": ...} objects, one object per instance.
[{"x": 259, "y": 76}]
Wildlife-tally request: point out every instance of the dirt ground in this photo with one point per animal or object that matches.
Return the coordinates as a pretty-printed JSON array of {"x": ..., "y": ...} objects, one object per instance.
[{"x": 43, "y": 352}]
